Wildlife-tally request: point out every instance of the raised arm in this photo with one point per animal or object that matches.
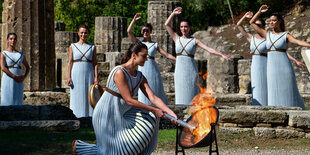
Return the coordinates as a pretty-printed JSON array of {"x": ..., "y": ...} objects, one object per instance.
[
  {"x": 95, "y": 66},
  {"x": 211, "y": 50},
  {"x": 295, "y": 41},
  {"x": 164, "y": 53},
  {"x": 70, "y": 63},
  {"x": 121, "y": 82},
  {"x": 129, "y": 29},
  {"x": 168, "y": 23},
  {"x": 258, "y": 29},
  {"x": 240, "y": 27}
]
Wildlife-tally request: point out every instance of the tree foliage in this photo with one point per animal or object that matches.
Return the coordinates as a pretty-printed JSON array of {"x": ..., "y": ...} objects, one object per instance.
[{"x": 77, "y": 12}]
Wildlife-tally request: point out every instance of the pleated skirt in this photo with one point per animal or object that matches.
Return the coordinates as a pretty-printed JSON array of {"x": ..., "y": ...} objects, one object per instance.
[
  {"x": 281, "y": 81},
  {"x": 120, "y": 129},
  {"x": 82, "y": 76},
  {"x": 259, "y": 80},
  {"x": 185, "y": 80},
  {"x": 152, "y": 74},
  {"x": 12, "y": 92}
]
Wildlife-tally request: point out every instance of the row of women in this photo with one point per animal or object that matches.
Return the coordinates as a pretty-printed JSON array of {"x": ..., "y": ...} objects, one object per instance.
[
  {"x": 272, "y": 75},
  {"x": 124, "y": 125}
]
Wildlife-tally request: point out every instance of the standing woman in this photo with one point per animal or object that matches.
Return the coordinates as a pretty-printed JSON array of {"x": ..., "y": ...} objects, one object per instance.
[
  {"x": 259, "y": 61},
  {"x": 83, "y": 72},
  {"x": 122, "y": 124},
  {"x": 12, "y": 86},
  {"x": 186, "y": 72},
  {"x": 150, "y": 69},
  {"x": 281, "y": 80}
]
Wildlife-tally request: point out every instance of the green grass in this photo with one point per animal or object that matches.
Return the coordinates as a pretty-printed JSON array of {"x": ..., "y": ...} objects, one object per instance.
[{"x": 47, "y": 142}]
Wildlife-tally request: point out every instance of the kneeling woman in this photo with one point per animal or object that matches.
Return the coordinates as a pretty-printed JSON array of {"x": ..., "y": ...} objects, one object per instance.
[{"x": 122, "y": 124}]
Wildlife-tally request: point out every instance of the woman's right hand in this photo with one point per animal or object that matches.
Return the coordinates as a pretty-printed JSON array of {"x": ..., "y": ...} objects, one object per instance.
[
  {"x": 69, "y": 82},
  {"x": 18, "y": 78},
  {"x": 249, "y": 14},
  {"x": 159, "y": 113},
  {"x": 177, "y": 11},
  {"x": 263, "y": 8},
  {"x": 137, "y": 16}
]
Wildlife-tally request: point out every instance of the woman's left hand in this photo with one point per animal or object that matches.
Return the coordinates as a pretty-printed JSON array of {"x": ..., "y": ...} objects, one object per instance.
[
  {"x": 226, "y": 57},
  {"x": 172, "y": 114},
  {"x": 300, "y": 64},
  {"x": 96, "y": 81}
]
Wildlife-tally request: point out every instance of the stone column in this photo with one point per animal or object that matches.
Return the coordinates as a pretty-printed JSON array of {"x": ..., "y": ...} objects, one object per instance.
[
  {"x": 33, "y": 22},
  {"x": 109, "y": 32},
  {"x": 244, "y": 72},
  {"x": 158, "y": 13},
  {"x": 63, "y": 39},
  {"x": 223, "y": 74}
]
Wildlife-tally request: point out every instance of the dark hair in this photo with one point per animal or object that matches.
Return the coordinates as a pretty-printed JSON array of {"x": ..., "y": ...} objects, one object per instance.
[
  {"x": 134, "y": 48},
  {"x": 280, "y": 18},
  {"x": 9, "y": 34},
  {"x": 187, "y": 21},
  {"x": 83, "y": 26},
  {"x": 262, "y": 21},
  {"x": 147, "y": 25}
]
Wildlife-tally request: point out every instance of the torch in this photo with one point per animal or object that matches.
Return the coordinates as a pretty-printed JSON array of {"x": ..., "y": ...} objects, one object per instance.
[{"x": 181, "y": 122}]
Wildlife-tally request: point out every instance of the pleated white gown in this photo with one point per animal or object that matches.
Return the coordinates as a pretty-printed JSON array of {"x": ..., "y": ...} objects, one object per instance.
[
  {"x": 120, "y": 129},
  {"x": 281, "y": 80},
  {"x": 186, "y": 72},
  {"x": 12, "y": 92},
  {"x": 259, "y": 71},
  {"x": 82, "y": 76}
]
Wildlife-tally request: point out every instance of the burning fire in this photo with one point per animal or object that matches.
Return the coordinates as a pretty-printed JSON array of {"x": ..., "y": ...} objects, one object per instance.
[{"x": 203, "y": 114}]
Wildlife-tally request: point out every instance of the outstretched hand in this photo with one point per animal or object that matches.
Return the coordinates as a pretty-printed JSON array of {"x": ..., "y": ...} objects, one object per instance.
[
  {"x": 137, "y": 16},
  {"x": 249, "y": 14},
  {"x": 177, "y": 11},
  {"x": 226, "y": 57},
  {"x": 300, "y": 64},
  {"x": 263, "y": 8}
]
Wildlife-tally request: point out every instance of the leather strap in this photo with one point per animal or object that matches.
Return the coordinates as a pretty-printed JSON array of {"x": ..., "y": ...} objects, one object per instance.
[
  {"x": 15, "y": 62},
  {"x": 256, "y": 47},
  {"x": 183, "y": 48},
  {"x": 150, "y": 57},
  {"x": 113, "y": 92},
  {"x": 83, "y": 55},
  {"x": 272, "y": 44},
  {"x": 189, "y": 55}
]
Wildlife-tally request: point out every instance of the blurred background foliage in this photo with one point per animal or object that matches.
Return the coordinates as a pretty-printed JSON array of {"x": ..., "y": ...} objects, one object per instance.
[{"x": 203, "y": 13}]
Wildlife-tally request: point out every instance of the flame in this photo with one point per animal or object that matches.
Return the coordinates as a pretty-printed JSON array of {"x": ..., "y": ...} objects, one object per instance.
[{"x": 203, "y": 114}]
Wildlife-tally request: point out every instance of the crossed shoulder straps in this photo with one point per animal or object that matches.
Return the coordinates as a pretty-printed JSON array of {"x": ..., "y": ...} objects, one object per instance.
[
  {"x": 149, "y": 56},
  {"x": 83, "y": 54},
  {"x": 256, "y": 47},
  {"x": 15, "y": 62},
  {"x": 183, "y": 48},
  {"x": 272, "y": 43}
]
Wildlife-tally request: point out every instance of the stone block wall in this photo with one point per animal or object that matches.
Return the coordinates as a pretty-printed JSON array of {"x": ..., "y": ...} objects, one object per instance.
[
  {"x": 223, "y": 74},
  {"x": 63, "y": 39},
  {"x": 158, "y": 13}
]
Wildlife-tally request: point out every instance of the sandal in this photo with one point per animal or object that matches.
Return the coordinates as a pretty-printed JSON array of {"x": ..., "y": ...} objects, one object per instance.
[{"x": 73, "y": 147}]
